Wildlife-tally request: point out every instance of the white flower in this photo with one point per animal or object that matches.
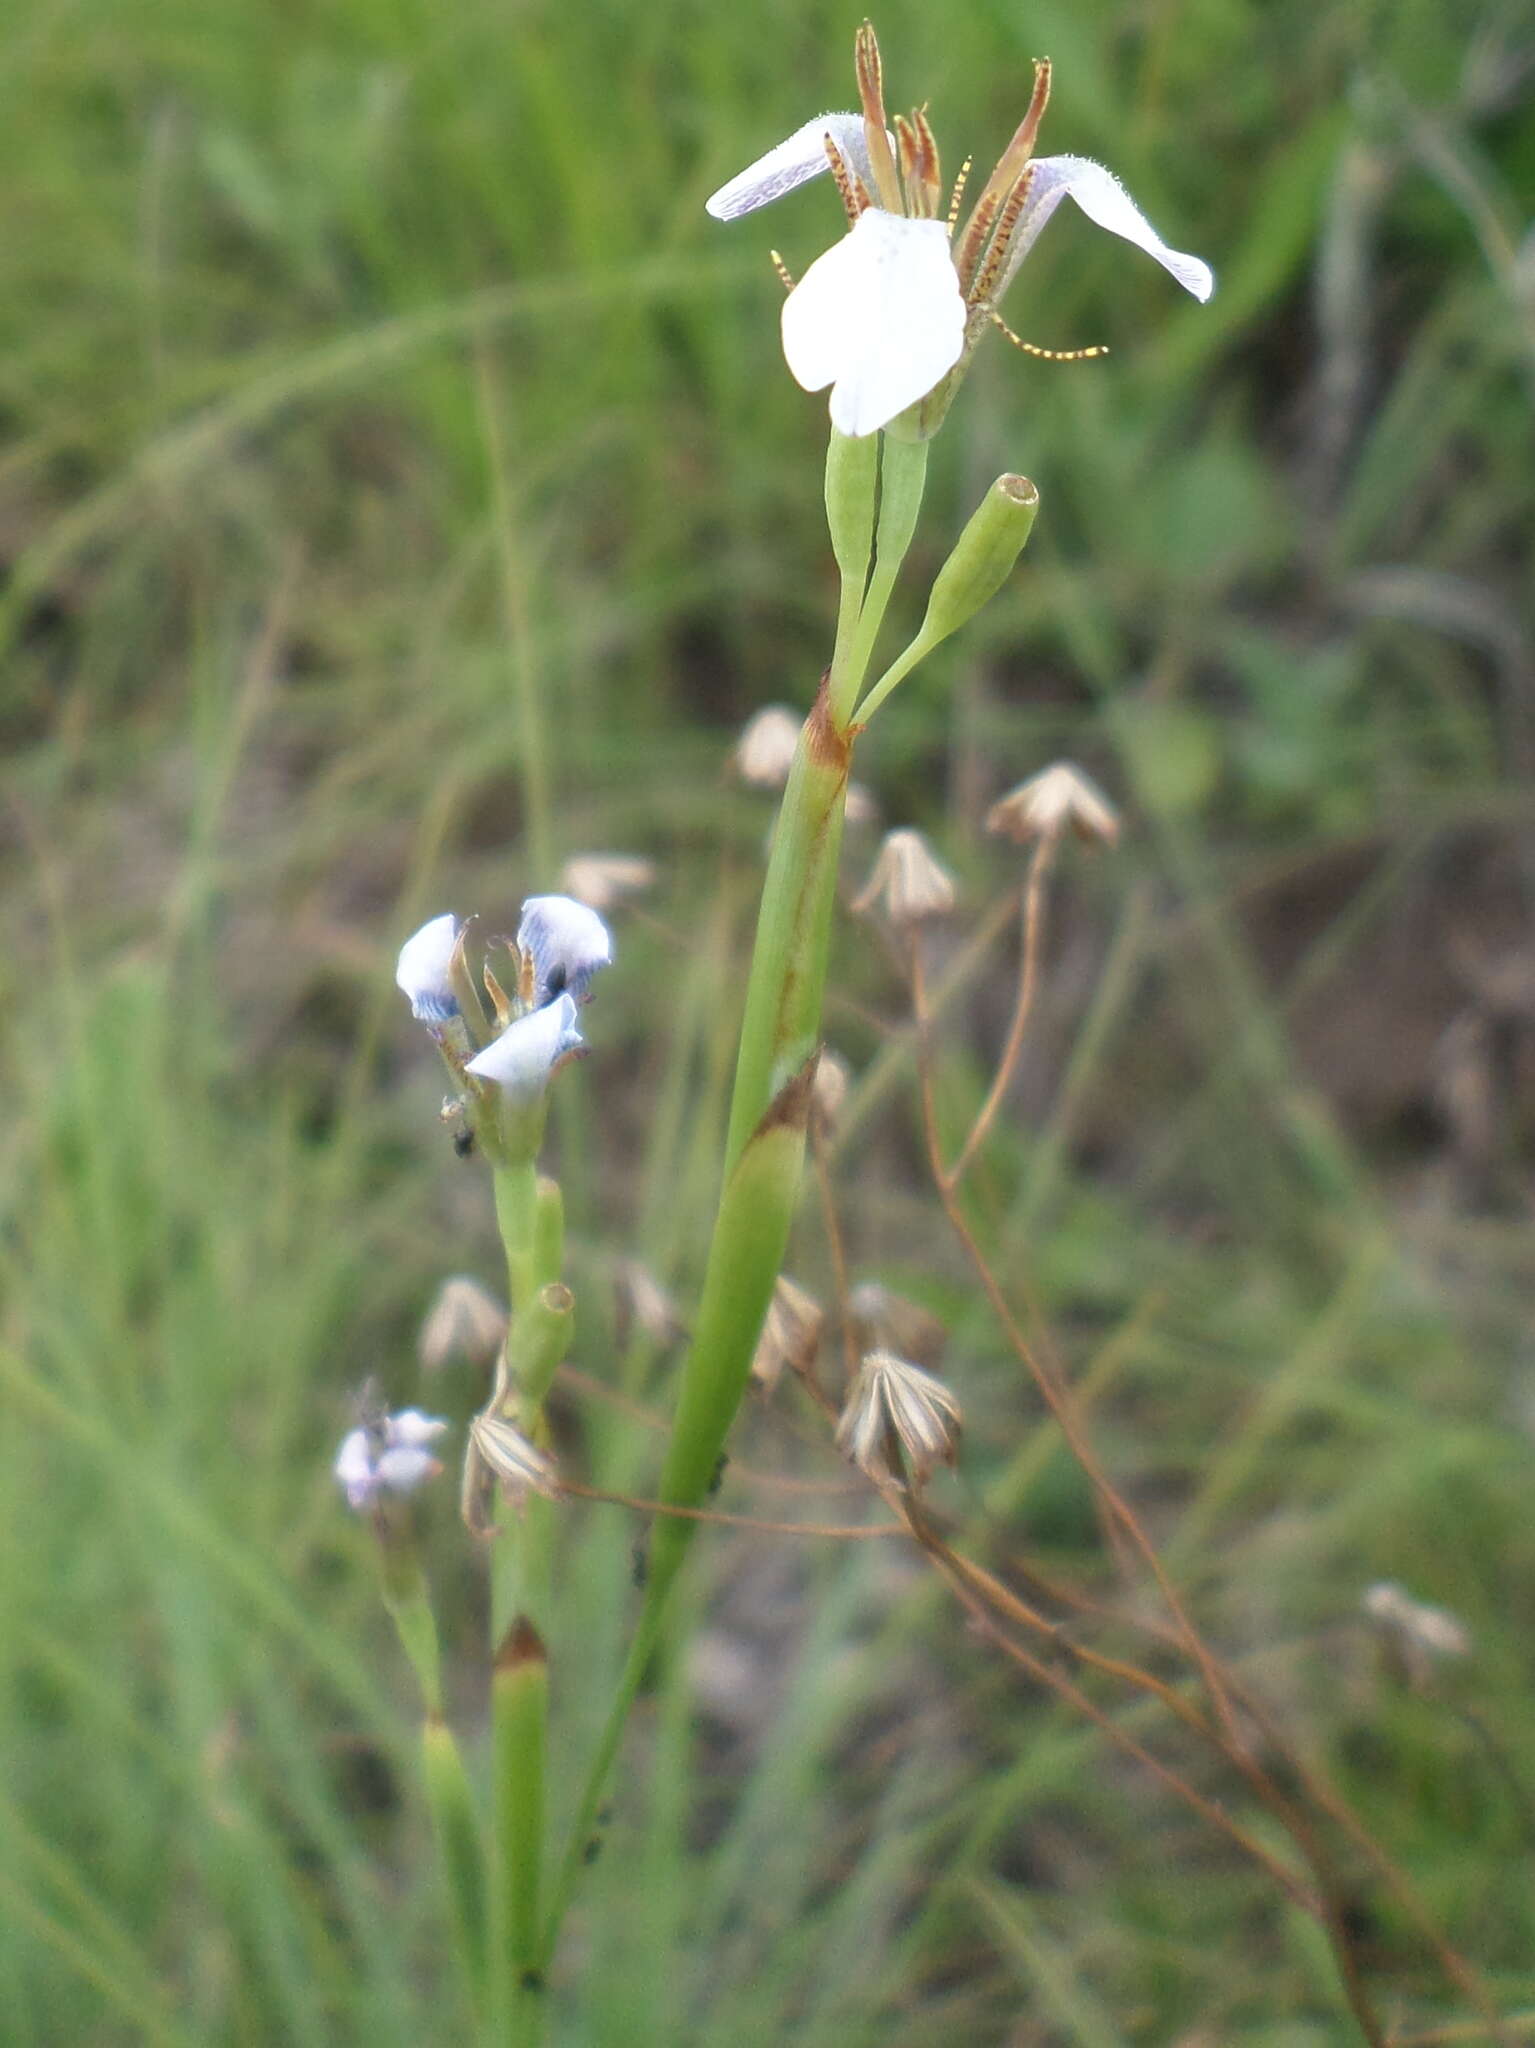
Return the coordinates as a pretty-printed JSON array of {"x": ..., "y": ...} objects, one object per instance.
[
  {"x": 523, "y": 1058},
  {"x": 422, "y": 969},
  {"x": 880, "y": 317},
  {"x": 888, "y": 312},
  {"x": 568, "y": 943},
  {"x": 388, "y": 1456}
]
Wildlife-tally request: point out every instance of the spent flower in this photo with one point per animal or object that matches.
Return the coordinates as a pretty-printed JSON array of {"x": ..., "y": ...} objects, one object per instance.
[
  {"x": 898, "y": 1421},
  {"x": 791, "y": 1334},
  {"x": 464, "y": 1321},
  {"x": 599, "y": 880},
  {"x": 764, "y": 753},
  {"x": 1058, "y": 799},
  {"x": 908, "y": 880},
  {"x": 891, "y": 313}
]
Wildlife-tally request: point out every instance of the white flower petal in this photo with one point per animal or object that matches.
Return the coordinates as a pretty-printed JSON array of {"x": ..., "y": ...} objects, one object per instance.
[
  {"x": 410, "y": 1429},
  {"x": 880, "y": 317},
  {"x": 568, "y": 941},
  {"x": 422, "y": 969},
  {"x": 521, "y": 1060},
  {"x": 354, "y": 1468},
  {"x": 1104, "y": 200},
  {"x": 792, "y": 163},
  {"x": 403, "y": 1470}
]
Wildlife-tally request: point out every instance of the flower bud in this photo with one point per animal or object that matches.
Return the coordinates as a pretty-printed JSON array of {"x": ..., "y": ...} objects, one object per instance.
[
  {"x": 908, "y": 880},
  {"x": 1045, "y": 805},
  {"x": 852, "y": 467},
  {"x": 983, "y": 557}
]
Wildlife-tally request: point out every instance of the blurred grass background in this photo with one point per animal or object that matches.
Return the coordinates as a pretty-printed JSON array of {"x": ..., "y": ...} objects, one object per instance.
[{"x": 401, "y": 490}]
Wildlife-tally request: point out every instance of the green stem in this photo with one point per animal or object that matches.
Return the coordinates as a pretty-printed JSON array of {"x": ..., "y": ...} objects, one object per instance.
[
  {"x": 780, "y": 1033},
  {"x": 520, "y": 1696},
  {"x": 516, "y": 1217},
  {"x": 451, "y": 1801}
]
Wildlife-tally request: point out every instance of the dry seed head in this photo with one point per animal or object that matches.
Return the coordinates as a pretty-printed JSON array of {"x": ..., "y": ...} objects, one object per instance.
[
  {"x": 518, "y": 1465},
  {"x": 833, "y": 1076},
  {"x": 883, "y": 1321},
  {"x": 599, "y": 880},
  {"x": 860, "y": 806},
  {"x": 1059, "y": 797},
  {"x": 1423, "y": 1635},
  {"x": 908, "y": 880},
  {"x": 464, "y": 1321},
  {"x": 765, "y": 751},
  {"x": 791, "y": 1335},
  {"x": 898, "y": 1421},
  {"x": 644, "y": 1304}
]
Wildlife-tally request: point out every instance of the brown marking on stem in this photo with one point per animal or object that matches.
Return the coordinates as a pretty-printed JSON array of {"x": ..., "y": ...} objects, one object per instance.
[
  {"x": 789, "y": 1109},
  {"x": 830, "y": 745},
  {"x": 522, "y": 1644}
]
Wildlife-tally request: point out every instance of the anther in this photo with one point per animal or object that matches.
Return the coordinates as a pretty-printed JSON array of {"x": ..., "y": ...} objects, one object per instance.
[
  {"x": 959, "y": 193},
  {"x": 1001, "y": 240},
  {"x": 785, "y": 275},
  {"x": 1046, "y": 355},
  {"x": 850, "y": 187}
]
